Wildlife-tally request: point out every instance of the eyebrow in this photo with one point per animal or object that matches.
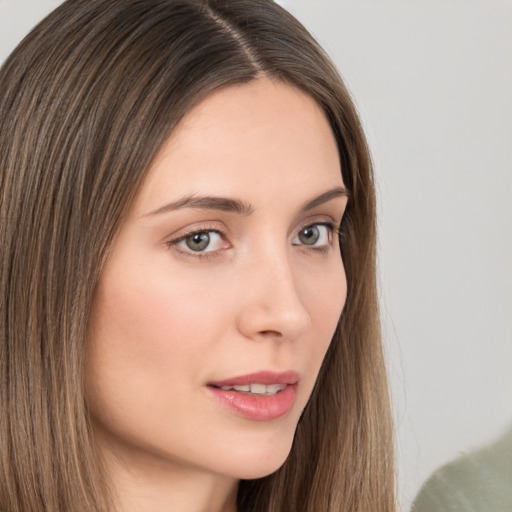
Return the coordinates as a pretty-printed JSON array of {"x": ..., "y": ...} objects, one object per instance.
[
  {"x": 223, "y": 204},
  {"x": 226, "y": 204},
  {"x": 325, "y": 197}
]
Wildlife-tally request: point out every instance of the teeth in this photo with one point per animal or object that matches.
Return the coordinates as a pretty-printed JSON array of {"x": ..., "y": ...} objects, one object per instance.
[
  {"x": 242, "y": 388},
  {"x": 257, "y": 389},
  {"x": 275, "y": 388}
]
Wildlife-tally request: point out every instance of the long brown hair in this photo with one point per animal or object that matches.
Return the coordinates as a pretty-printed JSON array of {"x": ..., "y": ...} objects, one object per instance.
[{"x": 86, "y": 101}]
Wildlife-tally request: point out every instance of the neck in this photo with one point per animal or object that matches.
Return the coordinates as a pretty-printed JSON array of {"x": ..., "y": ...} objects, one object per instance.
[{"x": 158, "y": 485}]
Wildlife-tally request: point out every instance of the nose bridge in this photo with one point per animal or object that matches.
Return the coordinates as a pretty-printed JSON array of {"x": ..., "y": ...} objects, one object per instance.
[{"x": 273, "y": 302}]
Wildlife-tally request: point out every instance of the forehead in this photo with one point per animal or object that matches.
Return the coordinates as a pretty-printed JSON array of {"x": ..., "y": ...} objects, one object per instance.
[{"x": 246, "y": 139}]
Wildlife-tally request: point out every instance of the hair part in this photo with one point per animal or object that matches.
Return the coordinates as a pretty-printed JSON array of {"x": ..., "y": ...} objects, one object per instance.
[{"x": 86, "y": 101}]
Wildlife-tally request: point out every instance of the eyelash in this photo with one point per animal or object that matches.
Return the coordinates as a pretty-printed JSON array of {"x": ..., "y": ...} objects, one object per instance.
[{"x": 332, "y": 228}]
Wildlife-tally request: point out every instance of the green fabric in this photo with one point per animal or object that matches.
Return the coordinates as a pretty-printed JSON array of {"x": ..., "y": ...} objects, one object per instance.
[{"x": 480, "y": 481}]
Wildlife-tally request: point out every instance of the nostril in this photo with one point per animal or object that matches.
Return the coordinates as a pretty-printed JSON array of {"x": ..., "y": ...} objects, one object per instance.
[{"x": 271, "y": 333}]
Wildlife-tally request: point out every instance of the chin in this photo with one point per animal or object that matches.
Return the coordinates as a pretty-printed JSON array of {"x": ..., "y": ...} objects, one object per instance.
[{"x": 260, "y": 461}]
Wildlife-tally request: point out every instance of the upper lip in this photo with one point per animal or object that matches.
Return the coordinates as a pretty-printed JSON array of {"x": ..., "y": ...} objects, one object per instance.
[{"x": 263, "y": 377}]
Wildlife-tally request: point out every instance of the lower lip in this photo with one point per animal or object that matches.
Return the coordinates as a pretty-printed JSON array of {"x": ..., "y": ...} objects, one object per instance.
[{"x": 257, "y": 407}]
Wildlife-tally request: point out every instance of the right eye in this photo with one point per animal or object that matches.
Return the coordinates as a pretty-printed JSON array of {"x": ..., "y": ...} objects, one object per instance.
[{"x": 201, "y": 241}]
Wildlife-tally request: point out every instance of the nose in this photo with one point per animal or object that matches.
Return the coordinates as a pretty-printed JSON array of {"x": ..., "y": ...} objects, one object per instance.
[{"x": 272, "y": 305}]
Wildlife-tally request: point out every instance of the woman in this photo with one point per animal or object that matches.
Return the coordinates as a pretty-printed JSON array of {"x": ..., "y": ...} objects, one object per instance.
[{"x": 189, "y": 319}]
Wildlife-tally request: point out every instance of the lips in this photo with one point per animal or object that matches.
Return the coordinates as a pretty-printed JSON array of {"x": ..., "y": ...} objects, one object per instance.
[
  {"x": 256, "y": 389},
  {"x": 265, "y": 377},
  {"x": 261, "y": 396}
]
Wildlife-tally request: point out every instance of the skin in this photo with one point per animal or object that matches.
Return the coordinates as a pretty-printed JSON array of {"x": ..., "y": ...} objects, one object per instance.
[{"x": 168, "y": 320}]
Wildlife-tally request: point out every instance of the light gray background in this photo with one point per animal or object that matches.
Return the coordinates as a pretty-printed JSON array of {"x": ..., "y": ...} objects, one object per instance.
[{"x": 433, "y": 83}]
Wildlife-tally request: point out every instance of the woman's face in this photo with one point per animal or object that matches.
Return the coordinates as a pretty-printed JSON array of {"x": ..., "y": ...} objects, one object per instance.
[{"x": 226, "y": 272}]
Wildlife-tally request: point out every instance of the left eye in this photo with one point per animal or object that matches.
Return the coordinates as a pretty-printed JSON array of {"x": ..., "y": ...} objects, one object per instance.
[{"x": 314, "y": 235}]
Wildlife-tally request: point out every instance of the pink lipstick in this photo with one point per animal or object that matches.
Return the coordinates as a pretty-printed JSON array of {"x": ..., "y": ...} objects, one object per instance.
[{"x": 260, "y": 396}]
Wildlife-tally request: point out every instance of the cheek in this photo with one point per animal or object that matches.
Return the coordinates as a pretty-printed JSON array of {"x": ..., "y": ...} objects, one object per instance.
[
  {"x": 150, "y": 334},
  {"x": 148, "y": 314},
  {"x": 325, "y": 295},
  {"x": 145, "y": 353}
]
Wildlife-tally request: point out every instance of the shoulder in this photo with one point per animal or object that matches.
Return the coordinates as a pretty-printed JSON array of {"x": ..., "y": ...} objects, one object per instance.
[{"x": 480, "y": 481}]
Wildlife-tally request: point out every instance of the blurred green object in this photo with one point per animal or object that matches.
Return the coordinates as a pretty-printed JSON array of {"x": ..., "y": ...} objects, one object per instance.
[{"x": 480, "y": 481}]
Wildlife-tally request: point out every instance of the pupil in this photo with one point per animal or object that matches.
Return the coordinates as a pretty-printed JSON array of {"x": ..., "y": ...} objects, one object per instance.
[
  {"x": 310, "y": 235},
  {"x": 198, "y": 242}
]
